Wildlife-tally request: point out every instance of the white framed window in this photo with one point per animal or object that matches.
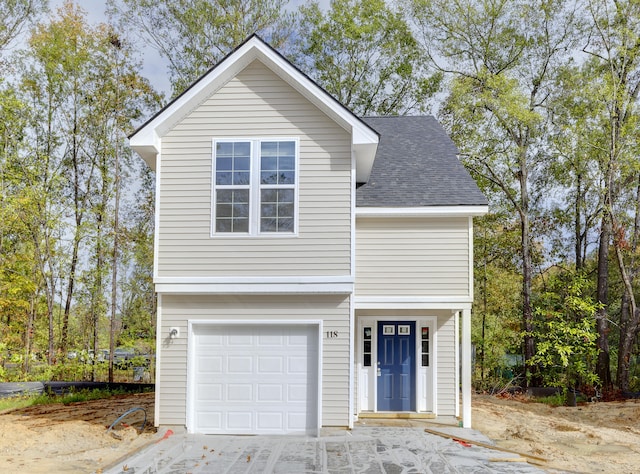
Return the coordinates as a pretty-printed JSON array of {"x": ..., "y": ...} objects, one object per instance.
[{"x": 255, "y": 186}]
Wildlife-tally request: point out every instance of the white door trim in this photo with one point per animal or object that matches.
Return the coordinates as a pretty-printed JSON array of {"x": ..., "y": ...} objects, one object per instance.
[
  {"x": 190, "y": 405},
  {"x": 372, "y": 321}
]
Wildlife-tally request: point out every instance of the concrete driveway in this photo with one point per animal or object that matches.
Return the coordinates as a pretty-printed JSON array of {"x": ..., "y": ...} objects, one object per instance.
[{"x": 398, "y": 447}]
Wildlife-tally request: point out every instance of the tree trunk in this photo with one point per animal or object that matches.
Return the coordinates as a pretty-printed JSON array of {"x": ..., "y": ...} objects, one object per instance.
[
  {"x": 527, "y": 267},
  {"x": 70, "y": 285},
  {"x": 628, "y": 334},
  {"x": 578, "y": 224},
  {"x": 76, "y": 239},
  {"x": 629, "y": 314},
  {"x": 97, "y": 292},
  {"x": 602, "y": 293},
  {"x": 29, "y": 335},
  {"x": 114, "y": 263}
]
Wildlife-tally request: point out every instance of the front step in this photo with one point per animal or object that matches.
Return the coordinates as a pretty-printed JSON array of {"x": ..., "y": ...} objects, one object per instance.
[{"x": 396, "y": 415}]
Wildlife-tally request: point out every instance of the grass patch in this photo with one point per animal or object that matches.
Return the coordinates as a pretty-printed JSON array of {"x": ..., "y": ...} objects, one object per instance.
[
  {"x": 86, "y": 395},
  {"x": 14, "y": 403},
  {"x": 83, "y": 395},
  {"x": 556, "y": 400},
  {"x": 561, "y": 399}
]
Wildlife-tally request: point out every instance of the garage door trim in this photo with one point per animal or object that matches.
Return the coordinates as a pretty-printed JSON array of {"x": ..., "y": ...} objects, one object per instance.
[{"x": 191, "y": 357}]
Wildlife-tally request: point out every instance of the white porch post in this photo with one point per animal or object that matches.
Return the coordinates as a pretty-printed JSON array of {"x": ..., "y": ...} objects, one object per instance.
[{"x": 466, "y": 368}]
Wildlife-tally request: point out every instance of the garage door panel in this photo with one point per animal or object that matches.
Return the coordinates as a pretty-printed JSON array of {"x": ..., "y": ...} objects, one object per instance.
[
  {"x": 240, "y": 392},
  {"x": 270, "y": 393},
  {"x": 296, "y": 393},
  {"x": 212, "y": 419},
  {"x": 270, "y": 421},
  {"x": 239, "y": 340},
  {"x": 296, "y": 421},
  {"x": 211, "y": 392},
  {"x": 211, "y": 365},
  {"x": 255, "y": 379},
  {"x": 270, "y": 340},
  {"x": 240, "y": 420},
  {"x": 297, "y": 365},
  {"x": 239, "y": 364},
  {"x": 270, "y": 365}
]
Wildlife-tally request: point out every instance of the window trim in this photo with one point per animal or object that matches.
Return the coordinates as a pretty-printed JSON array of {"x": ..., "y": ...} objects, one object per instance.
[{"x": 255, "y": 187}]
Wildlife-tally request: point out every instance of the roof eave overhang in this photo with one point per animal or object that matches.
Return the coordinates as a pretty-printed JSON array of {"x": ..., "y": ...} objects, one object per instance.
[
  {"x": 426, "y": 211},
  {"x": 146, "y": 140}
]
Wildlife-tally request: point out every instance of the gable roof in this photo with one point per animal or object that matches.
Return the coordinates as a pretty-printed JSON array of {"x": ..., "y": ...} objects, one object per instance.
[
  {"x": 416, "y": 165},
  {"x": 146, "y": 140}
]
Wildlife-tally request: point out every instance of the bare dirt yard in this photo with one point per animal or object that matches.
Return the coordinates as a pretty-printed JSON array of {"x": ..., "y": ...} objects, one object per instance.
[
  {"x": 73, "y": 438},
  {"x": 592, "y": 438}
]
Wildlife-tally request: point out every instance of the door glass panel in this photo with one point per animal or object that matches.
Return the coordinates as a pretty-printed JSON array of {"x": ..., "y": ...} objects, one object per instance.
[
  {"x": 425, "y": 345},
  {"x": 366, "y": 338}
]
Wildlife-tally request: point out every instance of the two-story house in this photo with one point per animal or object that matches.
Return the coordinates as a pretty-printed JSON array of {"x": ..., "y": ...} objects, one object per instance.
[{"x": 311, "y": 266}]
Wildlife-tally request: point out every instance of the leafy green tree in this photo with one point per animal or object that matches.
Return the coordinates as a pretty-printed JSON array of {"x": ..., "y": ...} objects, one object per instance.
[
  {"x": 138, "y": 296},
  {"x": 84, "y": 92},
  {"x": 501, "y": 56},
  {"x": 574, "y": 172},
  {"x": 565, "y": 333},
  {"x": 17, "y": 285},
  {"x": 496, "y": 321},
  {"x": 38, "y": 169},
  {"x": 614, "y": 50},
  {"x": 193, "y": 35},
  {"x": 14, "y": 16},
  {"x": 363, "y": 52}
]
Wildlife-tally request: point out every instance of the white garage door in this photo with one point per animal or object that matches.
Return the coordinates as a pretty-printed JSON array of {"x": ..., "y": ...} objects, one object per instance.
[{"x": 255, "y": 379}]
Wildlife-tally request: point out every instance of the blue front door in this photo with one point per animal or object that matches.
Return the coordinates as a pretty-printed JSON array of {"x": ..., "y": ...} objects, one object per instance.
[{"x": 396, "y": 366}]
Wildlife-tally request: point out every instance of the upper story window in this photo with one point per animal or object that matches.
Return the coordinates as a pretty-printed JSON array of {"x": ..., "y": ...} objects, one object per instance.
[{"x": 255, "y": 186}]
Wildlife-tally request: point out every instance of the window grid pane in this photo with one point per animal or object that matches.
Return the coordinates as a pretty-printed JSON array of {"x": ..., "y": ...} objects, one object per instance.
[
  {"x": 232, "y": 178},
  {"x": 233, "y": 163},
  {"x": 277, "y": 163},
  {"x": 276, "y": 210},
  {"x": 277, "y": 179},
  {"x": 232, "y": 210}
]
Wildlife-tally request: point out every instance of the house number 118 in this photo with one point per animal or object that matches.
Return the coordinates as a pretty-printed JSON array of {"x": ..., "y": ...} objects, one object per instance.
[{"x": 332, "y": 334}]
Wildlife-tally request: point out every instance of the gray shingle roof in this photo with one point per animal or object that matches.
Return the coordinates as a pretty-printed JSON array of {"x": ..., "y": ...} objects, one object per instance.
[{"x": 416, "y": 165}]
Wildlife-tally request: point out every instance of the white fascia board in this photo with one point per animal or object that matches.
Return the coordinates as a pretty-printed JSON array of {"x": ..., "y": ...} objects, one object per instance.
[
  {"x": 255, "y": 289},
  {"x": 412, "y": 302},
  {"x": 255, "y": 285},
  {"x": 431, "y": 211}
]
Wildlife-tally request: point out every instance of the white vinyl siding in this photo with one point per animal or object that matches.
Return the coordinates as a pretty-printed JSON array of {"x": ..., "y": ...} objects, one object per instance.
[
  {"x": 412, "y": 256},
  {"x": 256, "y": 103},
  {"x": 446, "y": 374},
  {"x": 177, "y": 310}
]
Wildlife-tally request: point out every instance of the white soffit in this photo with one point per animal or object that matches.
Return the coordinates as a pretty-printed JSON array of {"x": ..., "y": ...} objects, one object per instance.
[
  {"x": 146, "y": 140},
  {"x": 431, "y": 211}
]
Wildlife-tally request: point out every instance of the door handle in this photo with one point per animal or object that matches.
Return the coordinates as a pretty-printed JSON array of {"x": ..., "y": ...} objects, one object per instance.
[{"x": 379, "y": 372}]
